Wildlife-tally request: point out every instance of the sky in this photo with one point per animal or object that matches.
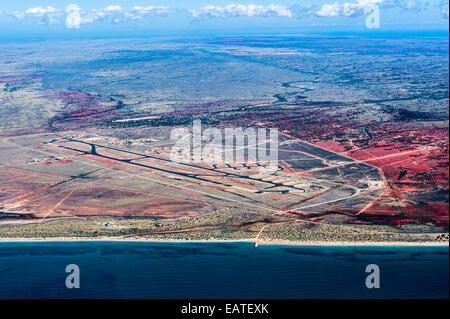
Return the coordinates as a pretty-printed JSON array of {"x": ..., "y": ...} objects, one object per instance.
[{"x": 75, "y": 18}]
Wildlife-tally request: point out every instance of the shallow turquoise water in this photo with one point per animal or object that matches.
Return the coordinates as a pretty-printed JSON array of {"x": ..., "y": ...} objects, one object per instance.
[{"x": 219, "y": 270}]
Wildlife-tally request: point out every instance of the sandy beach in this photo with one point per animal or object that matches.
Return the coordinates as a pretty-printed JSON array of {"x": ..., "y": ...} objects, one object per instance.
[{"x": 260, "y": 242}]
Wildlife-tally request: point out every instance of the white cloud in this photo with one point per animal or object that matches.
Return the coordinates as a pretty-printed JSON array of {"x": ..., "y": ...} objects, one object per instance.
[
  {"x": 114, "y": 13},
  {"x": 406, "y": 4},
  {"x": 236, "y": 10},
  {"x": 76, "y": 16},
  {"x": 40, "y": 11},
  {"x": 300, "y": 12},
  {"x": 330, "y": 10},
  {"x": 348, "y": 9},
  {"x": 16, "y": 14},
  {"x": 361, "y": 7},
  {"x": 48, "y": 15},
  {"x": 98, "y": 14},
  {"x": 113, "y": 8},
  {"x": 138, "y": 12},
  {"x": 73, "y": 18},
  {"x": 150, "y": 9},
  {"x": 443, "y": 5},
  {"x": 412, "y": 5}
]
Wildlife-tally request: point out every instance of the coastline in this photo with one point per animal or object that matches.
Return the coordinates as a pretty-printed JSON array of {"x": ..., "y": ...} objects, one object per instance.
[{"x": 253, "y": 241}]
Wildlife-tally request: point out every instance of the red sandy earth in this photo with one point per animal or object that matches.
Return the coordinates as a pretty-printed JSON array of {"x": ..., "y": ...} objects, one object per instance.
[
  {"x": 80, "y": 110},
  {"x": 426, "y": 170},
  {"x": 385, "y": 140},
  {"x": 69, "y": 201},
  {"x": 422, "y": 169},
  {"x": 58, "y": 161},
  {"x": 110, "y": 163}
]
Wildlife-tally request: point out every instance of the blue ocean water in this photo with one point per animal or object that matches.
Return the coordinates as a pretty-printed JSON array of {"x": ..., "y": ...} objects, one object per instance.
[{"x": 220, "y": 270}]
